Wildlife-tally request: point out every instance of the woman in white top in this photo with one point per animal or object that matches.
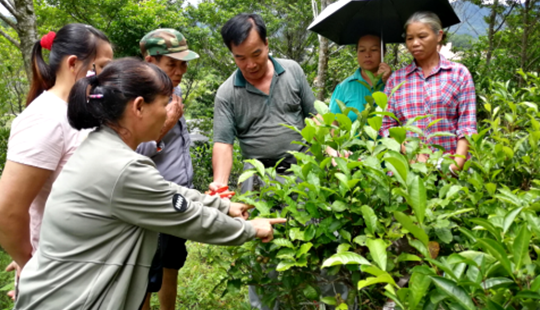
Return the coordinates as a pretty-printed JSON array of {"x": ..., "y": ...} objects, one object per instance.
[
  {"x": 101, "y": 223},
  {"x": 41, "y": 139}
]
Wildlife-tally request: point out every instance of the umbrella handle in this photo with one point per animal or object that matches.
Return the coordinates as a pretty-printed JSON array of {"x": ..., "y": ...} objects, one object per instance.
[{"x": 382, "y": 46}]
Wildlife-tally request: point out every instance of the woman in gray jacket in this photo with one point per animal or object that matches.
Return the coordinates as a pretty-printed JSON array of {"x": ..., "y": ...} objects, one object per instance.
[{"x": 102, "y": 219}]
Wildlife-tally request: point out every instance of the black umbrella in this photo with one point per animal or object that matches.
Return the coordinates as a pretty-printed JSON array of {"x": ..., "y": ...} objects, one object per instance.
[{"x": 345, "y": 21}]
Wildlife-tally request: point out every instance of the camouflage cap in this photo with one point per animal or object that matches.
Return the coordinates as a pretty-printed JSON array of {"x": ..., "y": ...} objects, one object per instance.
[{"x": 168, "y": 42}]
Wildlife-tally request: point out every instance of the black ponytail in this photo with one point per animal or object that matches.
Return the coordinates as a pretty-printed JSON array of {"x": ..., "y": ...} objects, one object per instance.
[
  {"x": 102, "y": 99},
  {"x": 73, "y": 39}
]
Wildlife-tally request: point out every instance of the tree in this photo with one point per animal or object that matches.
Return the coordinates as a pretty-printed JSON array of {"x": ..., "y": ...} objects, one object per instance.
[
  {"x": 13, "y": 83},
  {"x": 499, "y": 12},
  {"x": 23, "y": 21},
  {"x": 320, "y": 80}
]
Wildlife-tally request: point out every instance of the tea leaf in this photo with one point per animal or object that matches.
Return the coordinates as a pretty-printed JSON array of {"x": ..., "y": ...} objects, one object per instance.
[
  {"x": 370, "y": 219},
  {"x": 418, "y": 197},
  {"x": 387, "y": 114},
  {"x": 521, "y": 246},
  {"x": 283, "y": 243},
  {"x": 377, "y": 249},
  {"x": 321, "y": 107},
  {"x": 420, "y": 247},
  {"x": 455, "y": 292},
  {"x": 296, "y": 234},
  {"x": 417, "y": 118},
  {"x": 329, "y": 301},
  {"x": 304, "y": 249},
  {"x": 345, "y": 258},
  {"x": 383, "y": 278},
  {"x": 419, "y": 285},
  {"x": 487, "y": 225},
  {"x": 375, "y": 122},
  {"x": 373, "y": 270},
  {"x": 408, "y": 224},
  {"x": 434, "y": 122},
  {"x": 491, "y": 305},
  {"x": 257, "y": 165},
  {"x": 396, "y": 88},
  {"x": 527, "y": 295},
  {"x": 398, "y": 133},
  {"x": 285, "y": 265},
  {"x": 341, "y": 105},
  {"x": 310, "y": 292},
  {"x": 339, "y": 206},
  {"x": 497, "y": 250},
  {"x": 494, "y": 282},
  {"x": 246, "y": 175},
  {"x": 286, "y": 253},
  {"x": 399, "y": 169},
  {"x": 344, "y": 247},
  {"x": 535, "y": 285},
  {"x": 381, "y": 99},
  {"x": 391, "y": 144},
  {"x": 509, "y": 218},
  {"x": 405, "y": 257}
]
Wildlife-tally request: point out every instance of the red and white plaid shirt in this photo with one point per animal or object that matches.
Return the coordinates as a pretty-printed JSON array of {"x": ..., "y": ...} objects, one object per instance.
[{"x": 447, "y": 94}]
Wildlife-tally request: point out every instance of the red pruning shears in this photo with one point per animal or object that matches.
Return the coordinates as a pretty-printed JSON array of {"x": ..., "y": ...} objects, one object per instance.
[{"x": 222, "y": 192}]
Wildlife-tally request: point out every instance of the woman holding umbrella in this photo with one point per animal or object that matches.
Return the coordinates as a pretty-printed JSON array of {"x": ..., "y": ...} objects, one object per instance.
[
  {"x": 435, "y": 87},
  {"x": 350, "y": 91}
]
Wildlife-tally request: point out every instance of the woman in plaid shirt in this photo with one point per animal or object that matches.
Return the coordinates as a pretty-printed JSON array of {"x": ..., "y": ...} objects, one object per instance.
[{"x": 433, "y": 86}]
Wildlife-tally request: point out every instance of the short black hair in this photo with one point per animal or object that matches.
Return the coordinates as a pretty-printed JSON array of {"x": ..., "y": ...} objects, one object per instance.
[{"x": 236, "y": 30}]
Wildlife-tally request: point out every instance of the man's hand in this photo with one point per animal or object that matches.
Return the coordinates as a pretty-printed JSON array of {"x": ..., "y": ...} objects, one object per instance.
[
  {"x": 264, "y": 229},
  {"x": 214, "y": 186},
  {"x": 14, "y": 267},
  {"x": 239, "y": 210},
  {"x": 175, "y": 110},
  {"x": 384, "y": 71}
]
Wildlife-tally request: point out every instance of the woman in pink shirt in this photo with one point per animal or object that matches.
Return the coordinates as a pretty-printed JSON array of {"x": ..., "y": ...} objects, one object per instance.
[{"x": 41, "y": 139}]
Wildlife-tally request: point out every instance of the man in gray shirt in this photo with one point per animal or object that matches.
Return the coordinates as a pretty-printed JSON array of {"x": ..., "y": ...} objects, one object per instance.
[
  {"x": 167, "y": 48},
  {"x": 256, "y": 99}
]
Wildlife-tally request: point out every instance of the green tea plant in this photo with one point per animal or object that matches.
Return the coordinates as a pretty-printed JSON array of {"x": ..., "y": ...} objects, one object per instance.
[{"x": 390, "y": 228}]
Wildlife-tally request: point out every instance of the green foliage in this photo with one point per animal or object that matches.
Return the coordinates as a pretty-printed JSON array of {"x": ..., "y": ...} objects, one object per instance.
[
  {"x": 376, "y": 218},
  {"x": 4, "y": 136},
  {"x": 200, "y": 281},
  {"x": 6, "y": 281},
  {"x": 461, "y": 41},
  {"x": 13, "y": 82},
  {"x": 203, "y": 173}
]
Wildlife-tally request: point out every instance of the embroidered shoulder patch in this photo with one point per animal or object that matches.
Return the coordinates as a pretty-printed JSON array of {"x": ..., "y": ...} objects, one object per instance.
[{"x": 179, "y": 203}]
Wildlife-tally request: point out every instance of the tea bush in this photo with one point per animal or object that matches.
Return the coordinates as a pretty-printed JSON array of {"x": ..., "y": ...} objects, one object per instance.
[
  {"x": 390, "y": 228},
  {"x": 203, "y": 172}
]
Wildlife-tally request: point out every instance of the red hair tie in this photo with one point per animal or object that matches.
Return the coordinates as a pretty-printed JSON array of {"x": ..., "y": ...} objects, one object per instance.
[{"x": 47, "y": 40}]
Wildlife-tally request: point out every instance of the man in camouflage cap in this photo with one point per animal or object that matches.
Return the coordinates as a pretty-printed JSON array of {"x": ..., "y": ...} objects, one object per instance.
[
  {"x": 167, "y": 49},
  {"x": 167, "y": 42}
]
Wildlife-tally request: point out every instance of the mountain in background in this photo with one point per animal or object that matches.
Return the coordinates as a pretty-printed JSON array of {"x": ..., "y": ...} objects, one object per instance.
[{"x": 472, "y": 19}]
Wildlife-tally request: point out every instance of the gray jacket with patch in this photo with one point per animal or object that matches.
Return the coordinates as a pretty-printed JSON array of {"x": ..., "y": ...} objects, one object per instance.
[{"x": 100, "y": 228}]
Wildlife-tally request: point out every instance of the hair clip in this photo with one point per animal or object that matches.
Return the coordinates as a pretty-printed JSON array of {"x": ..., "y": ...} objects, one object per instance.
[{"x": 96, "y": 96}]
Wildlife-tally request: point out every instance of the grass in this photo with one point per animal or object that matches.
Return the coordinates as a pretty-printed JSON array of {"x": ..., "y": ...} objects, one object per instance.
[
  {"x": 6, "y": 281},
  {"x": 204, "y": 269}
]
